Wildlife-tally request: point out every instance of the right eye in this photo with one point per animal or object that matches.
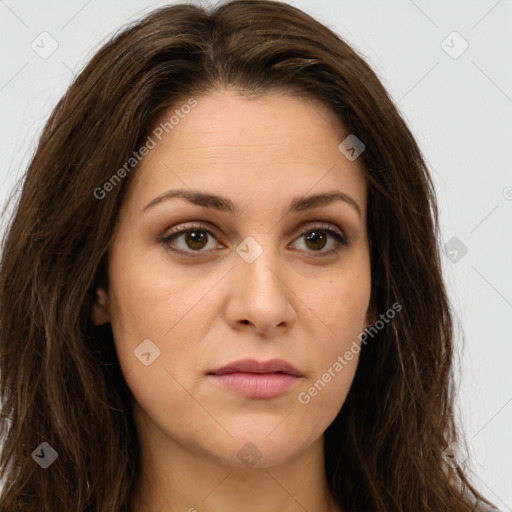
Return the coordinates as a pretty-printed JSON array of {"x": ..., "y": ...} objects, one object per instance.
[{"x": 194, "y": 238}]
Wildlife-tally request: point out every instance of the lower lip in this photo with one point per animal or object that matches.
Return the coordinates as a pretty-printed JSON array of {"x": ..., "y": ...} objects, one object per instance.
[{"x": 257, "y": 385}]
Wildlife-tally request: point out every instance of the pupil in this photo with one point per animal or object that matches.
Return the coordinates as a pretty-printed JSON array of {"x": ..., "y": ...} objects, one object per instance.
[
  {"x": 194, "y": 241},
  {"x": 197, "y": 241},
  {"x": 314, "y": 236}
]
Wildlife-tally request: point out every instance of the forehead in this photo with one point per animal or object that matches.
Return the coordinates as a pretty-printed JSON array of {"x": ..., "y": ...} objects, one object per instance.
[
  {"x": 277, "y": 144},
  {"x": 229, "y": 123}
]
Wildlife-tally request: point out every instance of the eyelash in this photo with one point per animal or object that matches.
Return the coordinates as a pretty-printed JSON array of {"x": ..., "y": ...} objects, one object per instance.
[{"x": 165, "y": 240}]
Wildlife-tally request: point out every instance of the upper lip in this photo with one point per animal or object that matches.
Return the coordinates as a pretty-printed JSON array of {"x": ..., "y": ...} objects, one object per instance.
[{"x": 254, "y": 366}]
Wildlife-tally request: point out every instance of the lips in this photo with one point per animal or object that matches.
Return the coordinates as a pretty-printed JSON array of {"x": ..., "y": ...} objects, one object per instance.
[
  {"x": 253, "y": 366},
  {"x": 257, "y": 380}
]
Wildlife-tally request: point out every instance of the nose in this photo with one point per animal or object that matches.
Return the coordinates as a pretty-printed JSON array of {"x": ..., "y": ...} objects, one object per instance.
[{"x": 261, "y": 299}]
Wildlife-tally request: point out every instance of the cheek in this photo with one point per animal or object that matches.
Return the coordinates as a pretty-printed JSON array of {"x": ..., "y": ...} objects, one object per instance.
[
  {"x": 153, "y": 307},
  {"x": 149, "y": 296},
  {"x": 152, "y": 300},
  {"x": 138, "y": 303},
  {"x": 139, "y": 299},
  {"x": 323, "y": 396},
  {"x": 340, "y": 305}
]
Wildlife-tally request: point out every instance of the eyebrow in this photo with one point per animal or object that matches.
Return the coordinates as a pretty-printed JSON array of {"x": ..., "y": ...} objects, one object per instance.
[{"x": 222, "y": 204}]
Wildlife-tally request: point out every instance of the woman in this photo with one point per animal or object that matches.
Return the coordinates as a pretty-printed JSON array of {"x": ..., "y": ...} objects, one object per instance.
[{"x": 221, "y": 289}]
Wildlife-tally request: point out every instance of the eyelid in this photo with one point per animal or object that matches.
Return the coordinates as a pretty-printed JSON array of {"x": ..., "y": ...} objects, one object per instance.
[
  {"x": 321, "y": 225},
  {"x": 206, "y": 226},
  {"x": 180, "y": 228}
]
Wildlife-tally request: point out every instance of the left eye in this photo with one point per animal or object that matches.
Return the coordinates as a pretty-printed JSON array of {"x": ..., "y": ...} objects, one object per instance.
[
  {"x": 196, "y": 238},
  {"x": 317, "y": 238}
]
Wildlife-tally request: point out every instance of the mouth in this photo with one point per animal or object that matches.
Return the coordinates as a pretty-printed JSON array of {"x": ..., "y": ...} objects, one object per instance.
[{"x": 257, "y": 380}]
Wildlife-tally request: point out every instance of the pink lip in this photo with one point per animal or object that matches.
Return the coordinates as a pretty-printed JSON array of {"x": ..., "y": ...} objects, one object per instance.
[{"x": 256, "y": 379}]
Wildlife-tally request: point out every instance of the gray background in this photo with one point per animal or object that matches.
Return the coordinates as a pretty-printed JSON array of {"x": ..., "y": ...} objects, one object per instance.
[{"x": 458, "y": 106}]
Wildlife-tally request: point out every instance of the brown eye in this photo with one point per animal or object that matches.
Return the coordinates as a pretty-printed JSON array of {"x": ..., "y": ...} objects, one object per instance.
[
  {"x": 317, "y": 238},
  {"x": 195, "y": 240},
  {"x": 192, "y": 240},
  {"x": 189, "y": 240}
]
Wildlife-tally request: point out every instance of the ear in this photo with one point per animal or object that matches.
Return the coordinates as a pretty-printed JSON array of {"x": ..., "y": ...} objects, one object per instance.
[{"x": 100, "y": 311}]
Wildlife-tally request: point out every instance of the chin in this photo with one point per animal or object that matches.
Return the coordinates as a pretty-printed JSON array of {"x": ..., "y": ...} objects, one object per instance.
[{"x": 262, "y": 446}]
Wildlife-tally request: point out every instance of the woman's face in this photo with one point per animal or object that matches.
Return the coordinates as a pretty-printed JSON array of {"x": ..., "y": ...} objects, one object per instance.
[{"x": 261, "y": 275}]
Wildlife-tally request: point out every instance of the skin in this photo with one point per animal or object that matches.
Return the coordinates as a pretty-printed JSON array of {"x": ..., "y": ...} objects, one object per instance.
[{"x": 204, "y": 312}]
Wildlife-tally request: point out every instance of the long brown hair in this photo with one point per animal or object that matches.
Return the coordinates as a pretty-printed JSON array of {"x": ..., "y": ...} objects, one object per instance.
[{"x": 60, "y": 377}]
